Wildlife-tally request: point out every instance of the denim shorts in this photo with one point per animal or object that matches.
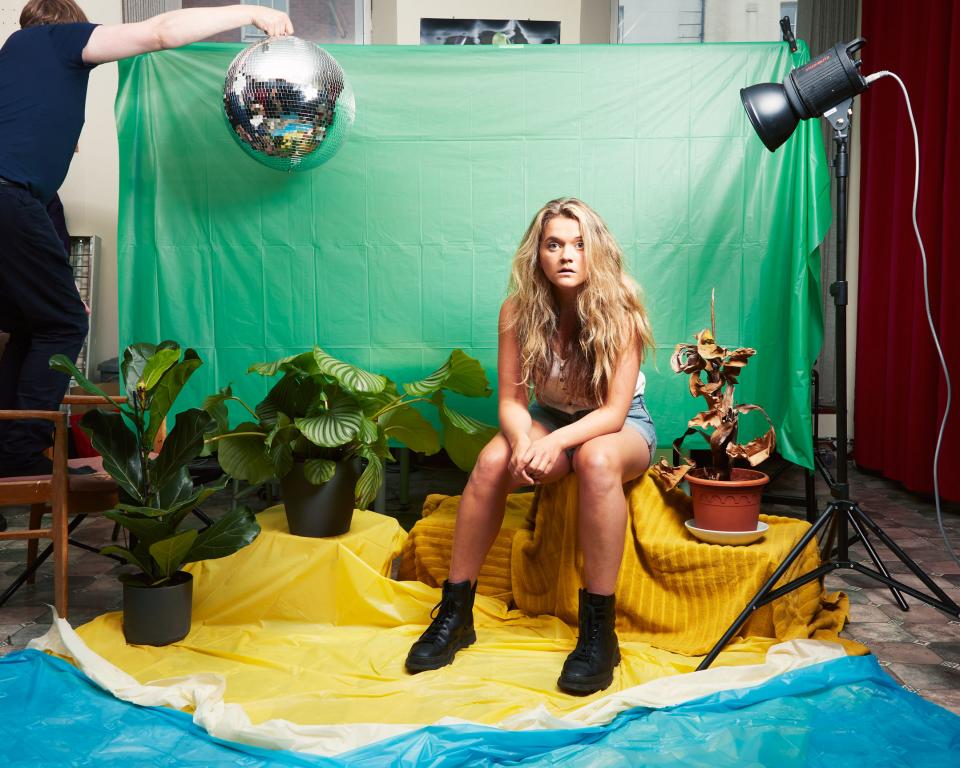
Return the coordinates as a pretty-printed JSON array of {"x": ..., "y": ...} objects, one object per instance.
[{"x": 638, "y": 417}]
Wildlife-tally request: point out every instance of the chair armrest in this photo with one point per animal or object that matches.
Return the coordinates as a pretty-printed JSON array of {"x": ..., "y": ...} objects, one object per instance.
[{"x": 53, "y": 416}]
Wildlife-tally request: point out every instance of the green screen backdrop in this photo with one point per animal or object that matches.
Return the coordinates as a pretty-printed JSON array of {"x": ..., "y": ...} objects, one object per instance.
[{"x": 398, "y": 249}]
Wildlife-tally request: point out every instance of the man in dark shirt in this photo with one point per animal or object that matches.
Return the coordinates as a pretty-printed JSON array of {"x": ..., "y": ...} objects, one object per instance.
[{"x": 44, "y": 68}]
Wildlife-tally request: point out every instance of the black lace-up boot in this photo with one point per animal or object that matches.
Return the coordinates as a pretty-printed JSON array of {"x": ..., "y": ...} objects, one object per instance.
[
  {"x": 590, "y": 667},
  {"x": 450, "y": 630}
]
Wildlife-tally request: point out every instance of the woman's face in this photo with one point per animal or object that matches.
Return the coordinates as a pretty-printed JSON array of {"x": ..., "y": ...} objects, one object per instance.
[{"x": 562, "y": 257}]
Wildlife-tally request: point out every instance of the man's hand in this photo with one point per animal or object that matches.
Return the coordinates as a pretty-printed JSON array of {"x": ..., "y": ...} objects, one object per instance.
[
  {"x": 541, "y": 457},
  {"x": 274, "y": 23}
]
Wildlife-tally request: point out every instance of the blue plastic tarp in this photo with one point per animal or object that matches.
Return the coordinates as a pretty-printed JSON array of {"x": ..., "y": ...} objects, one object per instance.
[{"x": 842, "y": 713}]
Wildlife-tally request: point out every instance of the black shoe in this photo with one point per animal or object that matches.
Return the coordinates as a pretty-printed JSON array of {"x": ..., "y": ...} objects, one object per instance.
[
  {"x": 590, "y": 667},
  {"x": 450, "y": 630},
  {"x": 40, "y": 466}
]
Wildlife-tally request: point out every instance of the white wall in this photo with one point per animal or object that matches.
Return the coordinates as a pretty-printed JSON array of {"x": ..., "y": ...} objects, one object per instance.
[
  {"x": 661, "y": 21},
  {"x": 741, "y": 20},
  {"x": 90, "y": 191}
]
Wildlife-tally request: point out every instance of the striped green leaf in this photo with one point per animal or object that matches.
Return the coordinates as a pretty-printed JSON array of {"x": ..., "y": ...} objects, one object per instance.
[
  {"x": 318, "y": 471},
  {"x": 348, "y": 375},
  {"x": 370, "y": 481},
  {"x": 302, "y": 362},
  {"x": 336, "y": 426},
  {"x": 407, "y": 426},
  {"x": 244, "y": 456},
  {"x": 369, "y": 431},
  {"x": 461, "y": 373}
]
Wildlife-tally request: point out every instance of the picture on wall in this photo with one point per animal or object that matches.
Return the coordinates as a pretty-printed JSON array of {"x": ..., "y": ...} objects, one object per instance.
[{"x": 488, "y": 32}]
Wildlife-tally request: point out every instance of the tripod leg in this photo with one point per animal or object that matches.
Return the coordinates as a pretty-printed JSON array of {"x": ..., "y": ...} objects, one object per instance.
[
  {"x": 810, "y": 494},
  {"x": 876, "y": 558},
  {"x": 826, "y": 544},
  {"x": 39, "y": 560},
  {"x": 762, "y": 592},
  {"x": 904, "y": 557}
]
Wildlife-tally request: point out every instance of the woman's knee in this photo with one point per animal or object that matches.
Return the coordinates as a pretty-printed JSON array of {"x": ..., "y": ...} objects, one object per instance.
[
  {"x": 492, "y": 462},
  {"x": 597, "y": 467}
]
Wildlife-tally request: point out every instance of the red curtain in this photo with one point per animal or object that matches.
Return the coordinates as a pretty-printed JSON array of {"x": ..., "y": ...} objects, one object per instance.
[{"x": 900, "y": 390}]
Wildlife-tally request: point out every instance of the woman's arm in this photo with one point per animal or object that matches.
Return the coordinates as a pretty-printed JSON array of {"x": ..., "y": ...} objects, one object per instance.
[
  {"x": 513, "y": 397},
  {"x": 176, "y": 28},
  {"x": 607, "y": 419}
]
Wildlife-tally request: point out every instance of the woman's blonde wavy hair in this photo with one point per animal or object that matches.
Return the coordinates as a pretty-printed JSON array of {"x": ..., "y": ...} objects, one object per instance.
[{"x": 610, "y": 313}]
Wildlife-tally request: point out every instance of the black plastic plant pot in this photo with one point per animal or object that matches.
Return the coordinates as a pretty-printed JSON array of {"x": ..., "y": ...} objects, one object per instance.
[
  {"x": 157, "y": 615},
  {"x": 320, "y": 510}
]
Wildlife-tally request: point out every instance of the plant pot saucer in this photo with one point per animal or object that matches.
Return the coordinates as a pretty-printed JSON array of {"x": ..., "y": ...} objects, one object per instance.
[{"x": 727, "y": 537}]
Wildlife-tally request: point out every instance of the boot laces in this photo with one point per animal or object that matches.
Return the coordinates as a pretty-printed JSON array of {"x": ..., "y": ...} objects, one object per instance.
[
  {"x": 442, "y": 614},
  {"x": 588, "y": 643}
]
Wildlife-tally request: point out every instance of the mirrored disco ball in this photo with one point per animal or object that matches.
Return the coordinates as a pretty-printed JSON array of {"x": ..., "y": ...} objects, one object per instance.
[{"x": 288, "y": 103}]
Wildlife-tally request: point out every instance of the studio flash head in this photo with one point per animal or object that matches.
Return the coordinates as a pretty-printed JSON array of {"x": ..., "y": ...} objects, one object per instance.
[{"x": 808, "y": 91}]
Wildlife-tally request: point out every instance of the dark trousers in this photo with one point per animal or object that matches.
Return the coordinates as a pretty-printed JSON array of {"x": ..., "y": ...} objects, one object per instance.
[{"x": 41, "y": 309}]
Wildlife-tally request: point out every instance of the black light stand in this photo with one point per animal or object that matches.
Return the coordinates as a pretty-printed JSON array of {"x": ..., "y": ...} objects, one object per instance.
[{"x": 841, "y": 511}]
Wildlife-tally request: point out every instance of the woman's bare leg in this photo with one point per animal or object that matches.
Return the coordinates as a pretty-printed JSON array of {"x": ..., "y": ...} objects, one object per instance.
[
  {"x": 481, "y": 508},
  {"x": 602, "y": 466}
]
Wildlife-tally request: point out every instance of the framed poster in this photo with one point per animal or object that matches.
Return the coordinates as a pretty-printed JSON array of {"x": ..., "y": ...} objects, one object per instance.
[{"x": 488, "y": 32}]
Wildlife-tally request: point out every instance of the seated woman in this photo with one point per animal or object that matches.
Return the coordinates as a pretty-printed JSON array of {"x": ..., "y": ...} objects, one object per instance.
[{"x": 574, "y": 331}]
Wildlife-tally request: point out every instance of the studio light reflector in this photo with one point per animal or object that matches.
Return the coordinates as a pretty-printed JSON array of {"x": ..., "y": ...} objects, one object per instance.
[{"x": 808, "y": 91}]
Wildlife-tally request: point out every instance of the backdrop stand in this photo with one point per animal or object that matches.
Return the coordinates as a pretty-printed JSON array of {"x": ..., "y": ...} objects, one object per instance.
[{"x": 841, "y": 512}]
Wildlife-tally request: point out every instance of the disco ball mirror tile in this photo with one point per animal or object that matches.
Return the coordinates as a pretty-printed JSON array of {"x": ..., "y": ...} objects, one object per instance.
[{"x": 288, "y": 103}]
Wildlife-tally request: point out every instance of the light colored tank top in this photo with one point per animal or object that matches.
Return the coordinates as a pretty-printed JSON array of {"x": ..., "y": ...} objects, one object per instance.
[{"x": 554, "y": 394}]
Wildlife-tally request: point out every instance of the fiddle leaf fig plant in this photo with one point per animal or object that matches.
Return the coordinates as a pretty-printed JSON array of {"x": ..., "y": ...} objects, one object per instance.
[
  {"x": 156, "y": 489},
  {"x": 714, "y": 373},
  {"x": 323, "y": 410}
]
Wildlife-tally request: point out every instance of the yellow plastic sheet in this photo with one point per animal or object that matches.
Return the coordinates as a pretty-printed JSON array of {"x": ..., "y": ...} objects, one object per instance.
[{"x": 313, "y": 631}]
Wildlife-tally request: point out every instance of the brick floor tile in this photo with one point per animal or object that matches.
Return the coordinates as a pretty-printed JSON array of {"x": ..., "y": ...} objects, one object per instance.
[
  {"x": 926, "y": 677},
  {"x": 907, "y": 653}
]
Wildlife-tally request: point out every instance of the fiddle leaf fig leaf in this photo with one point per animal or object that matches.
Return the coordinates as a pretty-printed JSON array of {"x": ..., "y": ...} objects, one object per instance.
[
  {"x": 230, "y": 533},
  {"x": 170, "y": 553},
  {"x": 167, "y": 390},
  {"x": 127, "y": 556},
  {"x": 135, "y": 358},
  {"x": 117, "y": 444},
  {"x": 63, "y": 364},
  {"x": 182, "y": 445},
  {"x": 156, "y": 366}
]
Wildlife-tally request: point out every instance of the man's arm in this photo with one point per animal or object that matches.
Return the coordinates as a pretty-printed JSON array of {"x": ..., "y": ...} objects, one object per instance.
[{"x": 176, "y": 28}]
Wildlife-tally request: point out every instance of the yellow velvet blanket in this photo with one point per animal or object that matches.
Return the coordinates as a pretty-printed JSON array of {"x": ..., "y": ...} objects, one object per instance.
[{"x": 674, "y": 592}]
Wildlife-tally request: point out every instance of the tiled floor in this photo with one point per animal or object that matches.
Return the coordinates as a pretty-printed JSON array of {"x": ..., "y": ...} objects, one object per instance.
[{"x": 920, "y": 648}]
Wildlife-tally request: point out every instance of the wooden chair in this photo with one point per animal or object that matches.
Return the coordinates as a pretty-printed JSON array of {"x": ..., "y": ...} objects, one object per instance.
[
  {"x": 43, "y": 490},
  {"x": 84, "y": 494}
]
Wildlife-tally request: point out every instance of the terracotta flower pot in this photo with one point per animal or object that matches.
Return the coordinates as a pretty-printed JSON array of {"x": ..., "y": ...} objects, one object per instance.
[{"x": 727, "y": 505}]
